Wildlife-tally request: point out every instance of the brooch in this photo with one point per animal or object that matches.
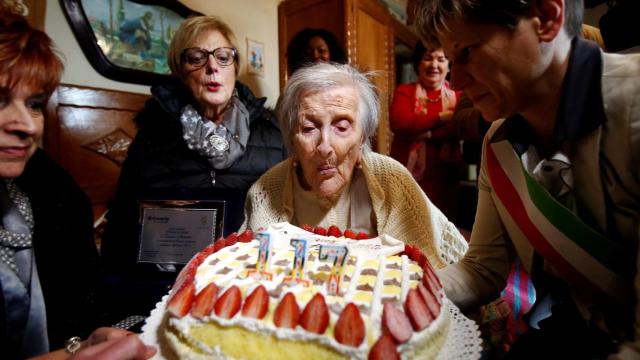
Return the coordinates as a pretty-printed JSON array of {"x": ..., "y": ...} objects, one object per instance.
[{"x": 219, "y": 143}]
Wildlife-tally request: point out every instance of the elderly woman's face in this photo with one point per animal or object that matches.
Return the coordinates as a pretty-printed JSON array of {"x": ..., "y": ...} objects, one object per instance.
[
  {"x": 21, "y": 126},
  {"x": 211, "y": 85},
  {"x": 433, "y": 69},
  {"x": 327, "y": 140}
]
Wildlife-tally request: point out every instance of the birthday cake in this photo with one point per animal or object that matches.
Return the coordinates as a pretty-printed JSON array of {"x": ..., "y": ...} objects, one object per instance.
[{"x": 287, "y": 292}]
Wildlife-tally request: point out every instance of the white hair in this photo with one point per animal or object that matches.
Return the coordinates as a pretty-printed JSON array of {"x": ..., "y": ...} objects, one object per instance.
[{"x": 321, "y": 77}]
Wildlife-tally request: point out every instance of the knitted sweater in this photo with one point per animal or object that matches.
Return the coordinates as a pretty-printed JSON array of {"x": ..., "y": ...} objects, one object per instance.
[{"x": 401, "y": 208}]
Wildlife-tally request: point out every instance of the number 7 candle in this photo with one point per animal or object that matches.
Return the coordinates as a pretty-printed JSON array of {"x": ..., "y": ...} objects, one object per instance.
[{"x": 337, "y": 254}]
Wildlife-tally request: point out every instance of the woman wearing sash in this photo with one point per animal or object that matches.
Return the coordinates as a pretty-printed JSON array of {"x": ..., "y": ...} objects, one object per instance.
[{"x": 560, "y": 180}]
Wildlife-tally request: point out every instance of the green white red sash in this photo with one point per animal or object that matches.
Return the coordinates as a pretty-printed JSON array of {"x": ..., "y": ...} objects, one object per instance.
[{"x": 580, "y": 254}]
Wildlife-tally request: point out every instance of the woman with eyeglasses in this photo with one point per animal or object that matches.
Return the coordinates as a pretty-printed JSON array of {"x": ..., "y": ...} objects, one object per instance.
[{"x": 201, "y": 133}]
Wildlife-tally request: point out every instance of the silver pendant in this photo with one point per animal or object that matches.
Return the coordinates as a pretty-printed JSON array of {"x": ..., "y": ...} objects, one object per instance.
[{"x": 219, "y": 143}]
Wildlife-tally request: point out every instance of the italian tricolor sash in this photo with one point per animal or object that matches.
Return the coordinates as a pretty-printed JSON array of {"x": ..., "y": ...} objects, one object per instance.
[{"x": 581, "y": 255}]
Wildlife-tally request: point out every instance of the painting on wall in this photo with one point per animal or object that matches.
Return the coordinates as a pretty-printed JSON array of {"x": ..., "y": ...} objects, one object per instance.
[
  {"x": 255, "y": 57},
  {"x": 126, "y": 40}
]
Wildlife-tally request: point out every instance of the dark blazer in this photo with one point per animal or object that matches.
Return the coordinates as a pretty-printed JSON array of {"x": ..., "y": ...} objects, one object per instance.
[
  {"x": 66, "y": 255},
  {"x": 159, "y": 165}
]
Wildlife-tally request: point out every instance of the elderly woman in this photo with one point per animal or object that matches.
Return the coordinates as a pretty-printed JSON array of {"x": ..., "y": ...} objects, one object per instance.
[
  {"x": 200, "y": 134},
  {"x": 327, "y": 114},
  {"x": 425, "y": 135},
  {"x": 49, "y": 268}
]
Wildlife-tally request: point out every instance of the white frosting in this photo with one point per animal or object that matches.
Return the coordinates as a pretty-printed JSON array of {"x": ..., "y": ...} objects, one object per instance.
[{"x": 371, "y": 251}]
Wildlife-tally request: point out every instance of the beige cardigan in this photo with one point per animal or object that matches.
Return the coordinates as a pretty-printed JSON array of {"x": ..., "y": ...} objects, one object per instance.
[{"x": 401, "y": 208}]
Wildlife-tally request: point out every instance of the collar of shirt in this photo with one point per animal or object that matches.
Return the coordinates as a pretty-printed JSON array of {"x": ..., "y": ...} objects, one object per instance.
[{"x": 581, "y": 109}]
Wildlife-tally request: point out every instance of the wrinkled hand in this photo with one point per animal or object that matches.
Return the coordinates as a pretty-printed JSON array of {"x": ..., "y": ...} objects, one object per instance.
[{"x": 112, "y": 344}]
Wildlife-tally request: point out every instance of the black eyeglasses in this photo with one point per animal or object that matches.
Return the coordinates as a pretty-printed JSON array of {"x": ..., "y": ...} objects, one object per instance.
[{"x": 198, "y": 57}]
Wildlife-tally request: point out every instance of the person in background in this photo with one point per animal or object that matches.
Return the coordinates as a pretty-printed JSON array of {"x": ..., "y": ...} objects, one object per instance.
[
  {"x": 49, "y": 267},
  {"x": 560, "y": 178},
  {"x": 135, "y": 34},
  {"x": 328, "y": 112},
  {"x": 312, "y": 45},
  {"x": 201, "y": 132},
  {"x": 424, "y": 135}
]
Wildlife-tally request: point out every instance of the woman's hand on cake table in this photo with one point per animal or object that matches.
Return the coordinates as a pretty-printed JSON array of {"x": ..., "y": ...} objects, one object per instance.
[
  {"x": 106, "y": 344},
  {"x": 124, "y": 347}
]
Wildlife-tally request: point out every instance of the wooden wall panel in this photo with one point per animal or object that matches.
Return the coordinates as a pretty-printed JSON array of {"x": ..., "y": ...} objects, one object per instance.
[{"x": 88, "y": 131}]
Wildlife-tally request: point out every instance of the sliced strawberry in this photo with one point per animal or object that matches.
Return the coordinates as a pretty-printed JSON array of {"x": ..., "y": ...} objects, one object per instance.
[
  {"x": 229, "y": 303},
  {"x": 422, "y": 259},
  {"x": 315, "y": 316},
  {"x": 417, "y": 310},
  {"x": 186, "y": 275},
  {"x": 430, "y": 299},
  {"x": 287, "y": 312},
  {"x": 349, "y": 329},
  {"x": 384, "y": 349},
  {"x": 219, "y": 244},
  {"x": 180, "y": 301},
  {"x": 334, "y": 231},
  {"x": 428, "y": 269},
  {"x": 256, "y": 304},
  {"x": 362, "y": 235},
  {"x": 231, "y": 239},
  {"x": 396, "y": 323},
  {"x": 188, "y": 272},
  {"x": 350, "y": 234},
  {"x": 307, "y": 227},
  {"x": 320, "y": 230},
  {"x": 207, "y": 251},
  {"x": 408, "y": 250},
  {"x": 246, "y": 236},
  {"x": 204, "y": 302},
  {"x": 415, "y": 254},
  {"x": 432, "y": 286}
]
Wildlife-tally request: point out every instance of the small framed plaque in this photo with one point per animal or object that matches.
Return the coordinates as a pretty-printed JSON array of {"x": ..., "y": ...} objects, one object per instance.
[{"x": 172, "y": 231}]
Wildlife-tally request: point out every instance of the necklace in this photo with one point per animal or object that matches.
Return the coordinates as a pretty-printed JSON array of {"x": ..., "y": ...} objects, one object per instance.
[{"x": 435, "y": 100}]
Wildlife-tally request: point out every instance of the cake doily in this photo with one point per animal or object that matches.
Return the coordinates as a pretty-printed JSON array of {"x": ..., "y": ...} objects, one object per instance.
[{"x": 463, "y": 340}]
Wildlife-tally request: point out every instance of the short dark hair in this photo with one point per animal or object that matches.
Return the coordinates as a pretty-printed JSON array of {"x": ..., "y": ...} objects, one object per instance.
[
  {"x": 431, "y": 15},
  {"x": 419, "y": 50},
  {"x": 297, "y": 49}
]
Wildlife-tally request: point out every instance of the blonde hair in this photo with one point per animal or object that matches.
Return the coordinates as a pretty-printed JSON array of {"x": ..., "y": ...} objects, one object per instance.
[{"x": 190, "y": 31}]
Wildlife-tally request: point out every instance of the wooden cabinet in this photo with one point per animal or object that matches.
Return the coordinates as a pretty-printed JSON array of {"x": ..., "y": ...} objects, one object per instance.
[{"x": 368, "y": 34}]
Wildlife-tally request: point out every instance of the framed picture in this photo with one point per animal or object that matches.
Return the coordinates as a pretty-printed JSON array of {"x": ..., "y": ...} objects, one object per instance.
[
  {"x": 255, "y": 57},
  {"x": 126, "y": 40}
]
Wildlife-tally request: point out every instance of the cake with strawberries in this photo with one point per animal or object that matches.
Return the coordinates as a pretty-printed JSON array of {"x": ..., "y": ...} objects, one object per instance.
[{"x": 287, "y": 292}]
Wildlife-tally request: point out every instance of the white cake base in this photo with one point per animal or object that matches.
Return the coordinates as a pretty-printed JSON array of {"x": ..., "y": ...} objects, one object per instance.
[{"x": 463, "y": 339}]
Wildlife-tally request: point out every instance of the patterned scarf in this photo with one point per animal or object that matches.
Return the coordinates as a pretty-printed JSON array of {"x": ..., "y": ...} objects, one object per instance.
[
  {"x": 447, "y": 98},
  {"x": 221, "y": 144},
  {"x": 10, "y": 240}
]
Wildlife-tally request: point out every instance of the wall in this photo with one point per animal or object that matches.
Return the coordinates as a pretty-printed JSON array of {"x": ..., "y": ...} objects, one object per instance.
[{"x": 256, "y": 19}]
